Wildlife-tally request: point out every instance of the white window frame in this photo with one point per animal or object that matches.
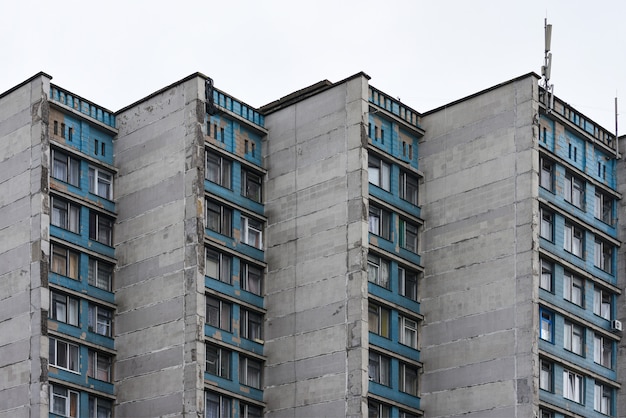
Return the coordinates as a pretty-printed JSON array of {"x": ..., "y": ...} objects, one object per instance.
[
  {"x": 546, "y": 229},
  {"x": 574, "y": 190},
  {"x": 573, "y": 240},
  {"x": 64, "y": 355},
  {"x": 69, "y": 398},
  {"x": 546, "y": 174},
  {"x": 218, "y": 265},
  {"x": 65, "y": 168},
  {"x": 547, "y": 275},
  {"x": 100, "y": 366},
  {"x": 64, "y": 308},
  {"x": 218, "y": 361},
  {"x": 573, "y": 386},
  {"x": 601, "y": 307},
  {"x": 100, "y": 274},
  {"x": 221, "y": 311},
  {"x": 252, "y": 232},
  {"x": 251, "y": 325},
  {"x": 603, "y": 256},
  {"x": 100, "y": 320},
  {"x": 573, "y": 288},
  {"x": 379, "y": 172},
  {"x": 379, "y": 320},
  {"x": 101, "y": 182},
  {"x": 409, "y": 379},
  {"x": 404, "y": 282},
  {"x": 603, "y": 351},
  {"x": 378, "y": 271},
  {"x": 408, "y": 332},
  {"x": 65, "y": 215},
  {"x": 101, "y": 228},
  {"x": 602, "y": 398},
  {"x": 379, "y": 368},
  {"x": 251, "y": 372},
  {"x": 218, "y": 169},
  {"x": 574, "y": 338}
]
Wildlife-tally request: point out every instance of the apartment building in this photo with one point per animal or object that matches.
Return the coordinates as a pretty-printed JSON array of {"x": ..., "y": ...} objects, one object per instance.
[{"x": 332, "y": 253}]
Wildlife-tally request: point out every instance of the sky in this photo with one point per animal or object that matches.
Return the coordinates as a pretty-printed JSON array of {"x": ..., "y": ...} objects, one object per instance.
[{"x": 427, "y": 53}]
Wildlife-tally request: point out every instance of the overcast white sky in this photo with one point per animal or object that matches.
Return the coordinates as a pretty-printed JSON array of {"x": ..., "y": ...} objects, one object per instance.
[{"x": 428, "y": 53}]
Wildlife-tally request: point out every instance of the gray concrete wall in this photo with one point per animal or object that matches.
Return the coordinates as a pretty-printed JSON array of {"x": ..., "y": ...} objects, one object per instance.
[
  {"x": 479, "y": 336},
  {"x": 24, "y": 250},
  {"x": 316, "y": 296},
  {"x": 159, "y": 282}
]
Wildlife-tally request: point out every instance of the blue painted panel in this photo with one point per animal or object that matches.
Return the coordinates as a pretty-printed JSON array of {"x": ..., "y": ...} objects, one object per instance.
[{"x": 234, "y": 290}]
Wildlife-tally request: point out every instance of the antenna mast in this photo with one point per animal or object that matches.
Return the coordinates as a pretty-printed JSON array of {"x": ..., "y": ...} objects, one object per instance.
[{"x": 547, "y": 67}]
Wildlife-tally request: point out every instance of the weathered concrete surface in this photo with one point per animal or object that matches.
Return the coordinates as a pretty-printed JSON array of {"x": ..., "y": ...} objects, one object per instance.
[
  {"x": 159, "y": 283},
  {"x": 316, "y": 339},
  {"x": 479, "y": 202},
  {"x": 24, "y": 249}
]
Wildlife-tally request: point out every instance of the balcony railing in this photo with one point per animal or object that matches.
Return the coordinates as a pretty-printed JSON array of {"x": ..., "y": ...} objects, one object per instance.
[
  {"x": 394, "y": 106},
  {"x": 81, "y": 105}
]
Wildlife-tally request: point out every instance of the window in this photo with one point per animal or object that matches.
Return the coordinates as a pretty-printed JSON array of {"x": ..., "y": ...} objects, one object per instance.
[
  {"x": 547, "y": 220},
  {"x": 378, "y": 172},
  {"x": 251, "y": 185},
  {"x": 408, "y": 283},
  {"x": 219, "y": 218},
  {"x": 574, "y": 190},
  {"x": 602, "y": 301},
  {"x": 100, "y": 320},
  {"x": 546, "y": 177},
  {"x": 65, "y": 215},
  {"x": 572, "y": 386},
  {"x": 408, "y": 188},
  {"x": 546, "y": 275},
  {"x": 218, "y": 313},
  {"x": 379, "y": 222},
  {"x": 64, "y": 308},
  {"x": 252, "y": 278},
  {"x": 573, "y": 288},
  {"x": 101, "y": 183},
  {"x": 405, "y": 414},
  {"x": 218, "y": 361},
  {"x": 545, "y": 375},
  {"x": 573, "y": 240},
  {"x": 100, "y": 228},
  {"x": 99, "y": 366},
  {"x": 573, "y": 338},
  {"x": 218, "y": 265},
  {"x": 100, "y": 274},
  {"x": 545, "y": 414},
  {"x": 250, "y": 372},
  {"x": 63, "y": 401},
  {"x": 547, "y": 321},
  {"x": 408, "y": 331},
  {"x": 602, "y": 396},
  {"x": 64, "y": 355},
  {"x": 603, "y": 256},
  {"x": 249, "y": 411},
  {"x": 379, "y": 368},
  {"x": 218, "y": 169},
  {"x": 252, "y": 325},
  {"x": 99, "y": 408},
  {"x": 603, "y": 208},
  {"x": 64, "y": 262},
  {"x": 252, "y": 232},
  {"x": 376, "y": 409},
  {"x": 408, "y": 379},
  {"x": 378, "y": 270},
  {"x": 65, "y": 168},
  {"x": 603, "y": 351},
  {"x": 378, "y": 318},
  {"x": 217, "y": 406},
  {"x": 408, "y": 236}
]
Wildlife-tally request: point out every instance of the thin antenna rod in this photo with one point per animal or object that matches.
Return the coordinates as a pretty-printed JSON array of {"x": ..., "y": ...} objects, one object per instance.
[
  {"x": 616, "y": 132},
  {"x": 547, "y": 65}
]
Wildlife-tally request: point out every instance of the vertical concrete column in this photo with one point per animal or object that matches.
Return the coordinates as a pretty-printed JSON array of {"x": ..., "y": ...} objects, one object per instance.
[
  {"x": 621, "y": 279},
  {"x": 24, "y": 249}
]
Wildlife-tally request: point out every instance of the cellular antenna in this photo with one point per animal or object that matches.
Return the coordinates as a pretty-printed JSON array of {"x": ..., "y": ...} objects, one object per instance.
[{"x": 546, "y": 68}]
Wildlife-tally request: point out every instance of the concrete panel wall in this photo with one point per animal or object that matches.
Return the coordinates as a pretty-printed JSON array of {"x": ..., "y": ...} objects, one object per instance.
[
  {"x": 316, "y": 294},
  {"x": 621, "y": 282},
  {"x": 479, "y": 204},
  {"x": 159, "y": 281},
  {"x": 24, "y": 249}
]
